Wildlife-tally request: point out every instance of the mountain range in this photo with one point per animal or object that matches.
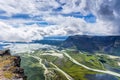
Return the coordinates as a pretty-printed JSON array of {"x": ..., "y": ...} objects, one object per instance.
[{"x": 106, "y": 44}]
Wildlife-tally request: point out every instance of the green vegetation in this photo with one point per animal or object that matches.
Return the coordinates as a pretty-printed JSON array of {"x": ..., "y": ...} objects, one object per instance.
[
  {"x": 86, "y": 59},
  {"x": 75, "y": 71},
  {"x": 56, "y": 75},
  {"x": 35, "y": 71},
  {"x": 32, "y": 68},
  {"x": 106, "y": 60}
]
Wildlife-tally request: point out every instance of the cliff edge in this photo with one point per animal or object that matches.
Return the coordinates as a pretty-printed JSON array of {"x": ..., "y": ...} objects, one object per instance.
[{"x": 10, "y": 67}]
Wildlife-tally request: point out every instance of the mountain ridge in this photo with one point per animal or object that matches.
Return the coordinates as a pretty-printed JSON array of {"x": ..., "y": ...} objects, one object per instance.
[{"x": 107, "y": 44}]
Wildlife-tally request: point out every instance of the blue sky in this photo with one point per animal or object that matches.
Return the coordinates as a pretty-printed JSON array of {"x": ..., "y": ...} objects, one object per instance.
[
  {"x": 90, "y": 18},
  {"x": 27, "y": 20}
]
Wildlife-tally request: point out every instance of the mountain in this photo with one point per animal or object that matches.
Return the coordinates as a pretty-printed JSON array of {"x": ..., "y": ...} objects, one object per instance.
[
  {"x": 106, "y": 44},
  {"x": 55, "y": 38},
  {"x": 49, "y": 42},
  {"x": 52, "y": 40}
]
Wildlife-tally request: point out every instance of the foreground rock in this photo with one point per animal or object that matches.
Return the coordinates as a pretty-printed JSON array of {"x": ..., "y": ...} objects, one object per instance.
[{"x": 10, "y": 67}]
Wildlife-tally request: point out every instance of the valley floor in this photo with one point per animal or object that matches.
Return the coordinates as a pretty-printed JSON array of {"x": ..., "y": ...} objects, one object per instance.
[{"x": 65, "y": 65}]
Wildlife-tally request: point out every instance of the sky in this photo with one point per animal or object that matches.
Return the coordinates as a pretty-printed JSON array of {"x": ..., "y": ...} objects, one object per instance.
[{"x": 27, "y": 20}]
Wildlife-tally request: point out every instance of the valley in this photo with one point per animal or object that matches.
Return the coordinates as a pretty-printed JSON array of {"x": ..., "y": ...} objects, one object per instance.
[
  {"x": 66, "y": 65},
  {"x": 75, "y": 58}
]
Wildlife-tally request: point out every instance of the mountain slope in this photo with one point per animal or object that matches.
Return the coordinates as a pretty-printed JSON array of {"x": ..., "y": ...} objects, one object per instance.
[{"x": 107, "y": 44}]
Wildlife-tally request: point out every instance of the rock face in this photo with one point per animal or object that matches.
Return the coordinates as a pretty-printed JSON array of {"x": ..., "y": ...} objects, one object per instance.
[
  {"x": 107, "y": 44},
  {"x": 10, "y": 67}
]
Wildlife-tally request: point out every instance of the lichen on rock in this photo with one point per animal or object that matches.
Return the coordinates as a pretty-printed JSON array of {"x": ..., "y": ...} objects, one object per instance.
[{"x": 10, "y": 67}]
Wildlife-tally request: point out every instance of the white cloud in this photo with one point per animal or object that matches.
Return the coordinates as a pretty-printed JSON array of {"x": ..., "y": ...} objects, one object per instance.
[
  {"x": 68, "y": 26},
  {"x": 26, "y": 48},
  {"x": 9, "y": 33},
  {"x": 106, "y": 11},
  {"x": 31, "y": 7}
]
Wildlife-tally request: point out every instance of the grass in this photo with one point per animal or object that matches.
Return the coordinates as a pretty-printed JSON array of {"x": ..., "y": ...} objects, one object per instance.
[
  {"x": 109, "y": 61},
  {"x": 35, "y": 72},
  {"x": 32, "y": 69},
  {"x": 87, "y": 59},
  {"x": 77, "y": 72},
  {"x": 55, "y": 75}
]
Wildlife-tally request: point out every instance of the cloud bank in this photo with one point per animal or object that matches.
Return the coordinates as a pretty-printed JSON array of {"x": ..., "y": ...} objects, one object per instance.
[{"x": 27, "y": 20}]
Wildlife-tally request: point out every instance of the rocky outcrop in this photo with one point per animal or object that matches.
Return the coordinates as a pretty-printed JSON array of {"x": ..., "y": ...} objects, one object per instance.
[
  {"x": 107, "y": 44},
  {"x": 5, "y": 52},
  {"x": 10, "y": 67}
]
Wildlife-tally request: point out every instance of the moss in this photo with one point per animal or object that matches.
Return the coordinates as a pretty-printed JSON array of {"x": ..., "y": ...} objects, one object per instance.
[
  {"x": 7, "y": 66},
  {"x": 8, "y": 74}
]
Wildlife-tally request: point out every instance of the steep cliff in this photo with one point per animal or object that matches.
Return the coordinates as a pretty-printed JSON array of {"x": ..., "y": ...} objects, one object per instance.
[{"x": 10, "y": 67}]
